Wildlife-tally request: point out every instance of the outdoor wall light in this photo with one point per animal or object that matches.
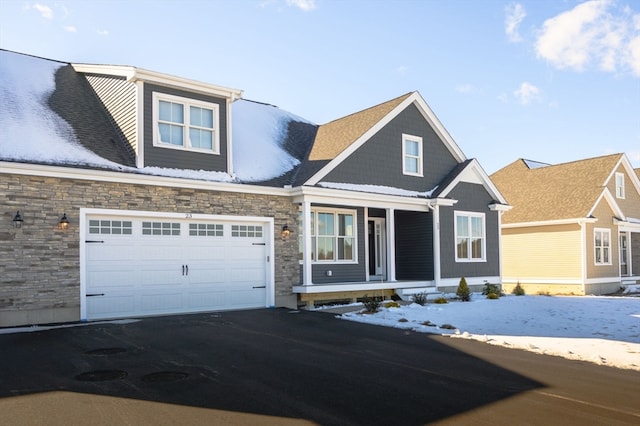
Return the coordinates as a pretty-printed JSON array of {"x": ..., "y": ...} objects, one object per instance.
[
  {"x": 64, "y": 222},
  {"x": 17, "y": 220},
  {"x": 286, "y": 232}
]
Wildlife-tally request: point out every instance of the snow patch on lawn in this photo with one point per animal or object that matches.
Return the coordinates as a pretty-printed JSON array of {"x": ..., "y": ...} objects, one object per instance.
[{"x": 601, "y": 330}]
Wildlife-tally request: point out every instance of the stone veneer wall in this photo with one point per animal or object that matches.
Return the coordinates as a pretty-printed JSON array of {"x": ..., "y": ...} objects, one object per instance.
[{"x": 40, "y": 265}]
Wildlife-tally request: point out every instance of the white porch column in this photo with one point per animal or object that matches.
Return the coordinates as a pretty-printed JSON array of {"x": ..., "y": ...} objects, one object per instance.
[
  {"x": 436, "y": 246},
  {"x": 391, "y": 244},
  {"x": 306, "y": 254}
]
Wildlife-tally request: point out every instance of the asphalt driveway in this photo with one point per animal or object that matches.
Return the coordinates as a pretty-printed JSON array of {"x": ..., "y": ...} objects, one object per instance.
[{"x": 270, "y": 366}]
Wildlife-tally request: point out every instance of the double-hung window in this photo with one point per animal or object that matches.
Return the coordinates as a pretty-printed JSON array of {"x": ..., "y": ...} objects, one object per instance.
[
  {"x": 188, "y": 124},
  {"x": 411, "y": 155},
  {"x": 333, "y": 236},
  {"x": 619, "y": 185},
  {"x": 602, "y": 246},
  {"x": 470, "y": 237}
]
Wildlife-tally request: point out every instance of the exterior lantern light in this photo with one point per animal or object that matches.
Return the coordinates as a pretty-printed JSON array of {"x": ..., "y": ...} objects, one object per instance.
[
  {"x": 64, "y": 221},
  {"x": 17, "y": 220},
  {"x": 286, "y": 232}
]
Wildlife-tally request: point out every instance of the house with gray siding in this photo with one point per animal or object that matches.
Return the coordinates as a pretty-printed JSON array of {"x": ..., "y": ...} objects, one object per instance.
[{"x": 128, "y": 192}]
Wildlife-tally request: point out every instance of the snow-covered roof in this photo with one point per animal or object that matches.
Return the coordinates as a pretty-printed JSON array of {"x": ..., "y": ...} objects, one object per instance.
[
  {"x": 33, "y": 132},
  {"x": 259, "y": 134},
  {"x": 377, "y": 189}
]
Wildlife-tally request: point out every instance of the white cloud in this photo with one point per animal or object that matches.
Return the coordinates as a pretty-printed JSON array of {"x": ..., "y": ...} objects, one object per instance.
[
  {"x": 305, "y": 5},
  {"x": 45, "y": 11},
  {"x": 595, "y": 33},
  {"x": 103, "y": 32},
  {"x": 527, "y": 93},
  {"x": 514, "y": 14},
  {"x": 465, "y": 88},
  {"x": 402, "y": 69},
  {"x": 70, "y": 29}
]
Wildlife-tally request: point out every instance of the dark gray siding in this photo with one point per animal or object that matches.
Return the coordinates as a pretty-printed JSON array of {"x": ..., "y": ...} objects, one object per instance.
[
  {"x": 174, "y": 158},
  {"x": 379, "y": 160},
  {"x": 472, "y": 198},
  {"x": 414, "y": 245}
]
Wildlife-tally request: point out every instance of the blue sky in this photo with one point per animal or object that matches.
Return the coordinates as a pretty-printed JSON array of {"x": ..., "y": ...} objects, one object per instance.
[{"x": 550, "y": 81}]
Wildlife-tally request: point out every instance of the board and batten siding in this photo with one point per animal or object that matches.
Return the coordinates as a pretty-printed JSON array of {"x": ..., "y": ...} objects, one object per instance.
[
  {"x": 119, "y": 98},
  {"x": 543, "y": 252}
]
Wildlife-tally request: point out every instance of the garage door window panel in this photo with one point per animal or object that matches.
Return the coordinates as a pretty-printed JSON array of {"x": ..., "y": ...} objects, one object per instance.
[
  {"x": 110, "y": 227},
  {"x": 206, "y": 230},
  {"x": 161, "y": 228}
]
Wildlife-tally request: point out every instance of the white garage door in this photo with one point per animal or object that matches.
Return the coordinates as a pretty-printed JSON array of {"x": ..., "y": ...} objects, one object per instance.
[{"x": 153, "y": 266}]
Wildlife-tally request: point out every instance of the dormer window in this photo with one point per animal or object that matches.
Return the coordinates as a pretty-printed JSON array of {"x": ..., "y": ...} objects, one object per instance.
[
  {"x": 619, "y": 185},
  {"x": 182, "y": 123}
]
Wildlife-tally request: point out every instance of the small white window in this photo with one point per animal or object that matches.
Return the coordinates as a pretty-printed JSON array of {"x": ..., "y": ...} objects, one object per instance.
[
  {"x": 619, "y": 185},
  {"x": 411, "y": 155},
  {"x": 161, "y": 228},
  {"x": 602, "y": 246},
  {"x": 187, "y": 124},
  {"x": 470, "y": 237}
]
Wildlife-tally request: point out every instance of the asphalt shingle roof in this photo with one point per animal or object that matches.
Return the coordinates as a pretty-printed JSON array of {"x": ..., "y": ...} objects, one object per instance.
[{"x": 554, "y": 192}]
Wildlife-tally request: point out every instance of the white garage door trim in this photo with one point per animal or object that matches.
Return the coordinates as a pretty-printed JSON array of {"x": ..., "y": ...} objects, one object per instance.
[{"x": 84, "y": 236}]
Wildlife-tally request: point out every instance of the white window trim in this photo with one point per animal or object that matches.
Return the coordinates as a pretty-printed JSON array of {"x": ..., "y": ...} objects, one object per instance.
[
  {"x": 595, "y": 247},
  {"x": 620, "y": 191},
  {"x": 335, "y": 212},
  {"x": 405, "y": 138},
  {"x": 456, "y": 214},
  {"x": 187, "y": 102}
]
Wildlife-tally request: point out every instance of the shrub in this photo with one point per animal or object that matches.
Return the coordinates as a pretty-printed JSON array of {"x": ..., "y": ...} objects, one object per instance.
[
  {"x": 492, "y": 296},
  {"x": 518, "y": 290},
  {"x": 371, "y": 304},
  {"x": 441, "y": 300},
  {"x": 491, "y": 289},
  {"x": 463, "y": 292},
  {"x": 392, "y": 304},
  {"x": 420, "y": 298}
]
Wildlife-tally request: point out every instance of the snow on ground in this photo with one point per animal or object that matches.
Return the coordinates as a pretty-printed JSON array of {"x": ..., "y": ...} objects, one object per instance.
[{"x": 602, "y": 330}]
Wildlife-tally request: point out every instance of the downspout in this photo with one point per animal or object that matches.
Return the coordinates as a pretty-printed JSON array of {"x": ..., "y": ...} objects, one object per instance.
[{"x": 436, "y": 243}]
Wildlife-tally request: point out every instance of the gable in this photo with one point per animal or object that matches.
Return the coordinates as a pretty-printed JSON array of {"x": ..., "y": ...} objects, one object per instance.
[
  {"x": 379, "y": 161},
  {"x": 630, "y": 202}
]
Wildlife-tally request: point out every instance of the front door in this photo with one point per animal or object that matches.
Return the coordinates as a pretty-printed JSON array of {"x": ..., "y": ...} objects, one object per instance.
[
  {"x": 377, "y": 252},
  {"x": 624, "y": 253}
]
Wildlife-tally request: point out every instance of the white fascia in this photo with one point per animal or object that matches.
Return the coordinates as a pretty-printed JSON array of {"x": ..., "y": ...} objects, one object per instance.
[
  {"x": 474, "y": 173},
  {"x": 577, "y": 221},
  {"x": 606, "y": 194},
  {"x": 135, "y": 179},
  {"x": 357, "y": 199},
  {"x": 631, "y": 174},
  {"x": 135, "y": 74}
]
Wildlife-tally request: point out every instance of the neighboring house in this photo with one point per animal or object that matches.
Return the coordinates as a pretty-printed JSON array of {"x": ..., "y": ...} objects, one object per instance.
[
  {"x": 128, "y": 192},
  {"x": 574, "y": 228}
]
